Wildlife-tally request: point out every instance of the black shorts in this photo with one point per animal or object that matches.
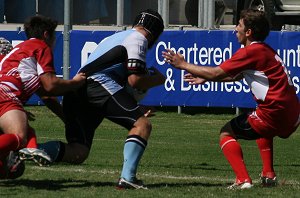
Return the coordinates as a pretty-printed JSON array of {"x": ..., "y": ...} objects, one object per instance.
[
  {"x": 242, "y": 129},
  {"x": 84, "y": 116}
]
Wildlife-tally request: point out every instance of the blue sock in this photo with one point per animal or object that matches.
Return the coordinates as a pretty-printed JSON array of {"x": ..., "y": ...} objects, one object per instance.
[
  {"x": 133, "y": 150},
  {"x": 52, "y": 148}
]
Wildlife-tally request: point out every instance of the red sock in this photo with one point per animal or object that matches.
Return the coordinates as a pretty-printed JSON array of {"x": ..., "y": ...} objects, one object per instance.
[
  {"x": 9, "y": 142},
  {"x": 265, "y": 147},
  {"x": 233, "y": 153},
  {"x": 31, "y": 139}
]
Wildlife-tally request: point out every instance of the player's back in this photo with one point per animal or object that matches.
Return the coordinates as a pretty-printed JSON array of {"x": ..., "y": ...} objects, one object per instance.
[
  {"x": 108, "y": 63},
  {"x": 112, "y": 54}
]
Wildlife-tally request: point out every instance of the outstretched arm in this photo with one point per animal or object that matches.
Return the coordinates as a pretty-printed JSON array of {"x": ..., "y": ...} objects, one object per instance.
[
  {"x": 54, "y": 86},
  {"x": 193, "y": 80},
  {"x": 204, "y": 72}
]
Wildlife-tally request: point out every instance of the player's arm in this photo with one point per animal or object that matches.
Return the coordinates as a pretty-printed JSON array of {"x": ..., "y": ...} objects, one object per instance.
[
  {"x": 146, "y": 81},
  {"x": 194, "y": 80},
  {"x": 142, "y": 78},
  {"x": 207, "y": 73},
  {"x": 53, "y": 85},
  {"x": 52, "y": 103}
]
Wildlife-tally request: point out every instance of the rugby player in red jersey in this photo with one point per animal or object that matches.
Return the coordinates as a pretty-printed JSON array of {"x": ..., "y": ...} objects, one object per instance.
[
  {"x": 277, "y": 112},
  {"x": 27, "y": 69}
]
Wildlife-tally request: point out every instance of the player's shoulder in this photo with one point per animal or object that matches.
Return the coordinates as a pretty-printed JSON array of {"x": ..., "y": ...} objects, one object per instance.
[
  {"x": 123, "y": 34},
  {"x": 33, "y": 44},
  {"x": 122, "y": 37},
  {"x": 35, "y": 41},
  {"x": 135, "y": 36},
  {"x": 261, "y": 47},
  {"x": 257, "y": 46}
]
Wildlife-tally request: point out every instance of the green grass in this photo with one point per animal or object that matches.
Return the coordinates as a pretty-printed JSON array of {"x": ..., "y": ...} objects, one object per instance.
[{"x": 183, "y": 159}]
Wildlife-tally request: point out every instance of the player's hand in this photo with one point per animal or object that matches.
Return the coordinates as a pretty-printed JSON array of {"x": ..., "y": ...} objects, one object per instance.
[
  {"x": 176, "y": 60},
  {"x": 193, "y": 80},
  {"x": 80, "y": 78},
  {"x": 149, "y": 113}
]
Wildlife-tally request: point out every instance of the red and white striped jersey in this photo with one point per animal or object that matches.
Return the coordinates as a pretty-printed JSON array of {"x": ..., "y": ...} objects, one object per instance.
[
  {"x": 270, "y": 84},
  {"x": 21, "y": 68}
]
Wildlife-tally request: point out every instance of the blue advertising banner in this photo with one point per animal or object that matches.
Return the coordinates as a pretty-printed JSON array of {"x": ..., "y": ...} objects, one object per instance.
[
  {"x": 211, "y": 48},
  {"x": 201, "y": 47}
]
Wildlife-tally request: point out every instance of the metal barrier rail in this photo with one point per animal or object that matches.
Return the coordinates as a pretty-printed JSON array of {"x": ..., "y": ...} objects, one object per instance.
[{"x": 206, "y": 14}]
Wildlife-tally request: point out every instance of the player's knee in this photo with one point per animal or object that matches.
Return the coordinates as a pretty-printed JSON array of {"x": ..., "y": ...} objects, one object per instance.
[
  {"x": 144, "y": 123},
  {"x": 142, "y": 127},
  {"x": 81, "y": 155},
  {"x": 22, "y": 141},
  {"x": 225, "y": 130},
  {"x": 76, "y": 153},
  {"x": 79, "y": 159},
  {"x": 147, "y": 126}
]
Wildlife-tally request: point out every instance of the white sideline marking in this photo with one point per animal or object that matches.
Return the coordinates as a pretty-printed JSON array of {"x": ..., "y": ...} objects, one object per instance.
[{"x": 111, "y": 172}]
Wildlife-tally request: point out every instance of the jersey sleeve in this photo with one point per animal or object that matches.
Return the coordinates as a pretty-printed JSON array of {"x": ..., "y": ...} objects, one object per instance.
[
  {"x": 136, "y": 52},
  {"x": 239, "y": 62},
  {"x": 136, "y": 66},
  {"x": 44, "y": 59}
]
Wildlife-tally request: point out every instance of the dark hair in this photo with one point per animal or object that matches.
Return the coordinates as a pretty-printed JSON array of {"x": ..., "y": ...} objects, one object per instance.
[
  {"x": 257, "y": 22},
  {"x": 36, "y": 26}
]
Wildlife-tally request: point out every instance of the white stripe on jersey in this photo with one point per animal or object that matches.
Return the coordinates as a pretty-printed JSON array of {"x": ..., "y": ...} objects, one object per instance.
[
  {"x": 12, "y": 51},
  {"x": 33, "y": 82},
  {"x": 10, "y": 85},
  {"x": 29, "y": 70},
  {"x": 258, "y": 82},
  {"x": 12, "y": 72},
  {"x": 6, "y": 93}
]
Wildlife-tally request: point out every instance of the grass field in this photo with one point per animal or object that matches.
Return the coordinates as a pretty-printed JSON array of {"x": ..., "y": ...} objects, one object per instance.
[{"x": 183, "y": 159}]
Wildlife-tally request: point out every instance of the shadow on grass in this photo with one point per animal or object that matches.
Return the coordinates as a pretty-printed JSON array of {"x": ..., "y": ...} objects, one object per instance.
[
  {"x": 61, "y": 185},
  {"x": 53, "y": 184}
]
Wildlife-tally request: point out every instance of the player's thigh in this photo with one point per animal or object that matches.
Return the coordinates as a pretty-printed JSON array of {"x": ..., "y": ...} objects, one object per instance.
[
  {"x": 122, "y": 109},
  {"x": 81, "y": 119},
  {"x": 14, "y": 121},
  {"x": 240, "y": 128}
]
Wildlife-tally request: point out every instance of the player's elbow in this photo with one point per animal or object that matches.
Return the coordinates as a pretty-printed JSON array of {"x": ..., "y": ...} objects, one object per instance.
[{"x": 49, "y": 89}]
